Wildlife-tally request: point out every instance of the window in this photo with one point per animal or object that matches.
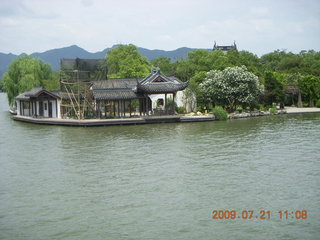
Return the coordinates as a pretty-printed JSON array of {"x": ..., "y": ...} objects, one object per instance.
[
  {"x": 160, "y": 102},
  {"x": 45, "y": 106}
]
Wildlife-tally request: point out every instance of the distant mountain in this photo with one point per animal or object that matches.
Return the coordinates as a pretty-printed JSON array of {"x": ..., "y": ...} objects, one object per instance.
[
  {"x": 174, "y": 55},
  {"x": 53, "y": 56},
  {"x": 5, "y": 60}
]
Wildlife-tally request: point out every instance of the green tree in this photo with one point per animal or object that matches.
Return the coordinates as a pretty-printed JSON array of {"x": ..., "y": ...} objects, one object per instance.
[
  {"x": 220, "y": 60},
  {"x": 251, "y": 61},
  {"x": 126, "y": 62},
  {"x": 25, "y": 73},
  {"x": 310, "y": 87},
  {"x": 271, "y": 61},
  {"x": 232, "y": 86},
  {"x": 290, "y": 63},
  {"x": 184, "y": 70},
  {"x": 52, "y": 83},
  {"x": 194, "y": 86},
  {"x": 310, "y": 62},
  {"x": 273, "y": 87},
  {"x": 200, "y": 60},
  {"x": 293, "y": 79},
  {"x": 1, "y": 85},
  {"x": 165, "y": 65}
]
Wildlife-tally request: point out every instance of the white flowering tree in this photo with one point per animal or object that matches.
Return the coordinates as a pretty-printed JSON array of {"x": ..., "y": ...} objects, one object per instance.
[{"x": 232, "y": 86}]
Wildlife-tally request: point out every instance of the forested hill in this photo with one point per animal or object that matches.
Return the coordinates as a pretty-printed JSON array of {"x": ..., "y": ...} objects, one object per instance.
[{"x": 53, "y": 56}]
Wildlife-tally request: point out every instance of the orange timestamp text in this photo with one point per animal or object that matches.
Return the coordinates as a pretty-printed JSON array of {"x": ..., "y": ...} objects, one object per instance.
[{"x": 259, "y": 214}]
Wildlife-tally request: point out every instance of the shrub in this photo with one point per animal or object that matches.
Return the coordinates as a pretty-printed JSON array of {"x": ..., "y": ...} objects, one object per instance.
[
  {"x": 239, "y": 108},
  {"x": 318, "y": 103},
  {"x": 200, "y": 108},
  {"x": 273, "y": 110},
  {"x": 170, "y": 104},
  {"x": 305, "y": 104},
  {"x": 220, "y": 113},
  {"x": 181, "y": 110}
]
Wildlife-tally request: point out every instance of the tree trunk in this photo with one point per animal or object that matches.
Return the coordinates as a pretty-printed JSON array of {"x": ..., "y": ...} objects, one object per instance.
[
  {"x": 299, "y": 100},
  {"x": 231, "y": 105},
  {"x": 311, "y": 103}
]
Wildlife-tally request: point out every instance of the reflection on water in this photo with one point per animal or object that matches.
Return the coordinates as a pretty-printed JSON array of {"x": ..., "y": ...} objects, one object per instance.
[{"x": 159, "y": 181}]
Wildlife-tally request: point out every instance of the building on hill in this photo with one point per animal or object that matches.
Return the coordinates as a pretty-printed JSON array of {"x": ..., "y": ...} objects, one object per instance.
[
  {"x": 224, "y": 49},
  {"x": 83, "y": 97}
]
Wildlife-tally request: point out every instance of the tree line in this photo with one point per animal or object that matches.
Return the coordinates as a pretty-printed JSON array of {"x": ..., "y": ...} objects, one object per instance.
[{"x": 232, "y": 79}]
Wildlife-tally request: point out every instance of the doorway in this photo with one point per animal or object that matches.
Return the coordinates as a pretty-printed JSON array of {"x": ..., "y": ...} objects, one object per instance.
[{"x": 50, "y": 109}]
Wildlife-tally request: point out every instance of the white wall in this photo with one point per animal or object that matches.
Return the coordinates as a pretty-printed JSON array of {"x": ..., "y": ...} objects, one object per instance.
[
  {"x": 59, "y": 111},
  {"x": 189, "y": 103},
  {"x": 178, "y": 98},
  {"x": 26, "y": 112},
  {"x": 54, "y": 109},
  {"x": 154, "y": 98},
  {"x": 37, "y": 104},
  {"x": 18, "y": 108}
]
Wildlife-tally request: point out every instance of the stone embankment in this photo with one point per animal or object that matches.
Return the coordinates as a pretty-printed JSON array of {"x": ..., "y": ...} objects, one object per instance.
[{"x": 257, "y": 113}]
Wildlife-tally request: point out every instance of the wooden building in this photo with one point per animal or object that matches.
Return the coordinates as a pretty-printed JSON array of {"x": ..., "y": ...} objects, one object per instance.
[
  {"x": 108, "y": 98},
  {"x": 224, "y": 49},
  {"x": 38, "y": 102},
  {"x": 153, "y": 95}
]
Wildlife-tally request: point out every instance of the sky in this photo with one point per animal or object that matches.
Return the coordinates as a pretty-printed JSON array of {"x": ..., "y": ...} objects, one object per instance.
[{"x": 258, "y": 26}]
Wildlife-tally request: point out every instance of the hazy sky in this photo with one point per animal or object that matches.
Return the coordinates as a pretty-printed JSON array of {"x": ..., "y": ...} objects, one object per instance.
[{"x": 259, "y": 26}]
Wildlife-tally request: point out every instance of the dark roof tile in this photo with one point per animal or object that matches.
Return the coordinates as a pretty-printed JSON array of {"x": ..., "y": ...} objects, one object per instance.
[{"x": 115, "y": 94}]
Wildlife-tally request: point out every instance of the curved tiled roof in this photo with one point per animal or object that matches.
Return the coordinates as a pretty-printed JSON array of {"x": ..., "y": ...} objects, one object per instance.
[
  {"x": 156, "y": 82},
  {"x": 130, "y": 88},
  {"x": 162, "y": 87},
  {"x": 35, "y": 92},
  {"x": 115, "y": 94},
  {"x": 115, "y": 83}
]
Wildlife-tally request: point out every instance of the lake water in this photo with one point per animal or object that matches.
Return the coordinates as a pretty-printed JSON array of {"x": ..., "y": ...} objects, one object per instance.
[{"x": 160, "y": 181}]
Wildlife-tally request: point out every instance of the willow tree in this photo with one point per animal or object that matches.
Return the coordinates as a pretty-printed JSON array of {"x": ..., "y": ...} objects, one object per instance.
[
  {"x": 25, "y": 73},
  {"x": 232, "y": 86}
]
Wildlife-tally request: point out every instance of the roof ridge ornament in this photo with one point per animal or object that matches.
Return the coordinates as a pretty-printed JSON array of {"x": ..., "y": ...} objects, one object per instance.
[{"x": 155, "y": 70}]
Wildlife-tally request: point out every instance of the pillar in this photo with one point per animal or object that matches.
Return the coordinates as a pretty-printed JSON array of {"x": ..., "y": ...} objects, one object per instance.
[{"x": 165, "y": 103}]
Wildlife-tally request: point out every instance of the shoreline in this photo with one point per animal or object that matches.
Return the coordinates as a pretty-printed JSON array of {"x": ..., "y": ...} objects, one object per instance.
[
  {"x": 302, "y": 110},
  {"x": 286, "y": 110},
  {"x": 155, "y": 119},
  {"x": 115, "y": 121}
]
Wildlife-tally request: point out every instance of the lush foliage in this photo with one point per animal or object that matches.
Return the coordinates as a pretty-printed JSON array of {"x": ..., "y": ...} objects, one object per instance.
[
  {"x": 126, "y": 62},
  {"x": 231, "y": 87},
  {"x": 310, "y": 87},
  {"x": 25, "y": 73},
  {"x": 220, "y": 113},
  {"x": 164, "y": 64},
  {"x": 273, "y": 110},
  {"x": 274, "y": 91},
  {"x": 275, "y": 71},
  {"x": 181, "y": 110}
]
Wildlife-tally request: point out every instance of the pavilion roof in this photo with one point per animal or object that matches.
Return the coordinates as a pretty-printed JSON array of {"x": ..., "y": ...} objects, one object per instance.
[
  {"x": 35, "y": 92},
  {"x": 116, "y": 94}
]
